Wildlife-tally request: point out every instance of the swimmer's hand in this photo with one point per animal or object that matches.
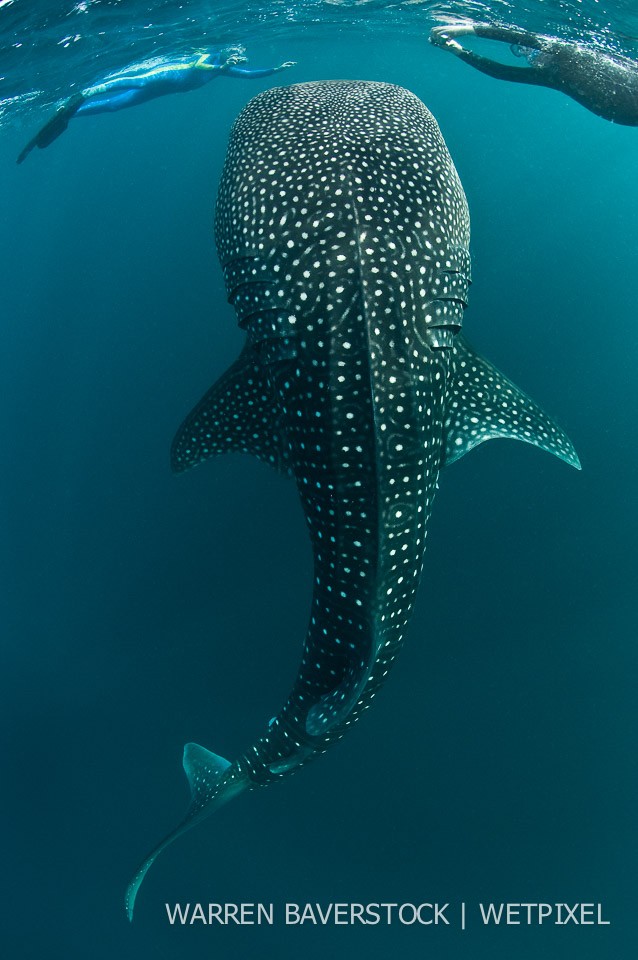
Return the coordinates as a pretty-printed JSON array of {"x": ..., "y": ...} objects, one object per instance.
[
  {"x": 444, "y": 36},
  {"x": 284, "y": 66}
]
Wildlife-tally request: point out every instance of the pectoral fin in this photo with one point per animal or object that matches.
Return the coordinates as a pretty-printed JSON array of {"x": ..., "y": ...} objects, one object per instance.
[
  {"x": 237, "y": 414},
  {"x": 484, "y": 405}
]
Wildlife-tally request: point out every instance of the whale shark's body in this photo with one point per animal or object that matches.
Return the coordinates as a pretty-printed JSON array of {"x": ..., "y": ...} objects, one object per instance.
[{"x": 343, "y": 233}]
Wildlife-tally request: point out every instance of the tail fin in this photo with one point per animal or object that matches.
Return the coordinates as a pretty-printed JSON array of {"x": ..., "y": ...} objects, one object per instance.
[
  {"x": 54, "y": 127},
  {"x": 211, "y": 786}
]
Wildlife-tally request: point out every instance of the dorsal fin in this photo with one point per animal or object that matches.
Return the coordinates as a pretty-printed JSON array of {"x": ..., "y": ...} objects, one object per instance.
[
  {"x": 482, "y": 404},
  {"x": 237, "y": 414}
]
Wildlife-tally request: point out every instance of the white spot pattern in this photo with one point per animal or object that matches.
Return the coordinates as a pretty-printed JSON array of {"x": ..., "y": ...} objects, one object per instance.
[
  {"x": 343, "y": 231},
  {"x": 340, "y": 208}
]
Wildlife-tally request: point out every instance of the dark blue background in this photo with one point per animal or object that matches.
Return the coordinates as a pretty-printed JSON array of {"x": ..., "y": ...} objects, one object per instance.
[{"x": 143, "y": 610}]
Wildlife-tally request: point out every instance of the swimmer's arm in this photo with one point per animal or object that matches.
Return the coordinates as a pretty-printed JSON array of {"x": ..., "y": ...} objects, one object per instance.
[
  {"x": 444, "y": 37},
  {"x": 507, "y": 35},
  {"x": 255, "y": 73}
]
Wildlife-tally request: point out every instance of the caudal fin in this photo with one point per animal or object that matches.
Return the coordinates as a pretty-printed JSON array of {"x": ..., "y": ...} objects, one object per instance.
[{"x": 212, "y": 784}]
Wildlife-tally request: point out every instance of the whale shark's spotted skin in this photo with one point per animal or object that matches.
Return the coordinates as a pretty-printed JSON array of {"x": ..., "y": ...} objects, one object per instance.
[{"x": 343, "y": 233}]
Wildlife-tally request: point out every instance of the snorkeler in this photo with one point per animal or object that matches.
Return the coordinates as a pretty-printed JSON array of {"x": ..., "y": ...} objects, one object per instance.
[
  {"x": 141, "y": 83},
  {"x": 606, "y": 83}
]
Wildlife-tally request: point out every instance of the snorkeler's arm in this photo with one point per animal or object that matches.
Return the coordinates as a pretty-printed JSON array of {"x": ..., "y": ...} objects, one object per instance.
[
  {"x": 54, "y": 127},
  {"x": 444, "y": 37},
  {"x": 255, "y": 73},
  {"x": 507, "y": 35}
]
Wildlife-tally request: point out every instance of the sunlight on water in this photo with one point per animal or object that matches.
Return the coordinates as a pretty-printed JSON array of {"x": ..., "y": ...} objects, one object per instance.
[{"x": 51, "y": 49}]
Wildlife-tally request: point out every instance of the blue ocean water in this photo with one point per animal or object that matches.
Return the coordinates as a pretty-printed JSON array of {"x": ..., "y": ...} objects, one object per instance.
[{"x": 143, "y": 610}]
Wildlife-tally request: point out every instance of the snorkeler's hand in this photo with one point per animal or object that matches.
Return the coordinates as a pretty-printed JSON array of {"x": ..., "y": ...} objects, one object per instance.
[
  {"x": 444, "y": 36},
  {"x": 284, "y": 66}
]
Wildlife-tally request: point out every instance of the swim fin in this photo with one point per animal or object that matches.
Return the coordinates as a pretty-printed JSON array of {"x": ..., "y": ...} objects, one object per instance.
[{"x": 54, "y": 127}]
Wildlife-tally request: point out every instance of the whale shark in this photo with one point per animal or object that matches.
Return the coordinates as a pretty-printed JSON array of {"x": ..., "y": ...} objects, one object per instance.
[{"x": 343, "y": 234}]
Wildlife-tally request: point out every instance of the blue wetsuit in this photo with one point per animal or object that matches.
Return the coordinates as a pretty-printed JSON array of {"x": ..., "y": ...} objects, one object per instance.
[{"x": 140, "y": 84}]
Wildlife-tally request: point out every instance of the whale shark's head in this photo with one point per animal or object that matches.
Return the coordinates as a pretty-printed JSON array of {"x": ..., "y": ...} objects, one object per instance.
[{"x": 358, "y": 170}]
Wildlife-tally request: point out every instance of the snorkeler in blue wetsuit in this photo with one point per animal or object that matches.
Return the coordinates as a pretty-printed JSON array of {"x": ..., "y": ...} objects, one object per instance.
[{"x": 141, "y": 83}]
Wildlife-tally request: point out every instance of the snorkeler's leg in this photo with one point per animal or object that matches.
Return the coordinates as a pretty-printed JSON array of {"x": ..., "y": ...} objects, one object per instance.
[
  {"x": 443, "y": 37},
  {"x": 54, "y": 127},
  {"x": 111, "y": 100}
]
